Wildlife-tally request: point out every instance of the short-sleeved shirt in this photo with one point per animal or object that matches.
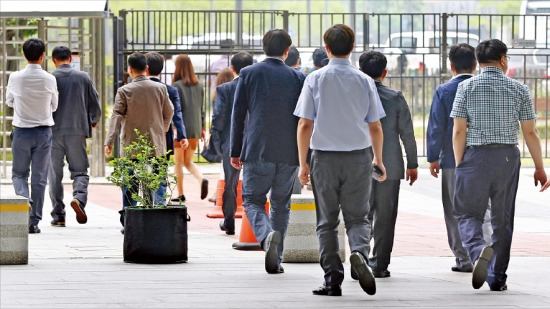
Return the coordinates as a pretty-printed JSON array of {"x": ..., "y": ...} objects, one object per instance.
[
  {"x": 493, "y": 104},
  {"x": 340, "y": 99}
]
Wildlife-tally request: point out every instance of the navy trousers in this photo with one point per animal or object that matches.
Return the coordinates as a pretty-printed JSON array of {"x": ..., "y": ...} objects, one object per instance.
[{"x": 488, "y": 173}]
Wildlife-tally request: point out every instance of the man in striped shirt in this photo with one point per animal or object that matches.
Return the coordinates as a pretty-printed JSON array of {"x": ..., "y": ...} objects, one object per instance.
[{"x": 488, "y": 110}]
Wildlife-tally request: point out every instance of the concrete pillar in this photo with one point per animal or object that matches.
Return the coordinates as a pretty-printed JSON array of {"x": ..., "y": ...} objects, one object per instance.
[{"x": 14, "y": 230}]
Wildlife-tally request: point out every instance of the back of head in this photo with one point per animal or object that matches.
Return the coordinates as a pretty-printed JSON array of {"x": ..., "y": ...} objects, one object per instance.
[
  {"x": 241, "y": 60},
  {"x": 462, "y": 57},
  {"x": 339, "y": 39},
  {"x": 490, "y": 51},
  {"x": 320, "y": 57},
  {"x": 137, "y": 62},
  {"x": 373, "y": 63},
  {"x": 61, "y": 53},
  {"x": 155, "y": 62},
  {"x": 293, "y": 56},
  {"x": 184, "y": 71},
  {"x": 275, "y": 42},
  {"x": 33, "y": 48},
  {"x": 224, "y": 76}
]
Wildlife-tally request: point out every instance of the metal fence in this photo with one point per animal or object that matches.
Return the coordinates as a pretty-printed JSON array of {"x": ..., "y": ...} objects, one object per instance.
[{"x": 416, "y": 46}]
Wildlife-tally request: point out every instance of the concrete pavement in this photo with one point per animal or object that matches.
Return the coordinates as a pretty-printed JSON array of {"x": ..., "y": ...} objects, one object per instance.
[{"x": 80, "y": 266}]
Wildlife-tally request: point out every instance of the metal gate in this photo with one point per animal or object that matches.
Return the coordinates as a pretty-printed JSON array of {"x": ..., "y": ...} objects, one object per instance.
[{"x": 416, "y": 46}]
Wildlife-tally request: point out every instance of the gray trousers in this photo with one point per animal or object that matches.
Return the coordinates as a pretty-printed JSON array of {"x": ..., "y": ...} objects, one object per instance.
[
  {"x": 384, "y": 201},
  {"x": 341, "y": 180},
  {"x": 31, "y": 152},
  {"x": 72, "y": 147}
]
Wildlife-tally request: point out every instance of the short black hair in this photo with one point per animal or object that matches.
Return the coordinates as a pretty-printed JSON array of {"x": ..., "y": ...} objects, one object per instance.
[
  {"x": 61, "y": 53},
  {"x": 373, "y": 63},
  {"x": 339, "y": 39},
  {"x": 137, "y": 61},
  {"x": 155, "y": 62},
  {"x": 293, "y": 56},
  {"x": 241, "y": 60},
  {"x": 463, "y": 57},
  {"x": 490, "y": 51},
  {"x": 320, "y": 58},
  {"x": 33, "y": 48},
  {"x": 275, "y": 42}
]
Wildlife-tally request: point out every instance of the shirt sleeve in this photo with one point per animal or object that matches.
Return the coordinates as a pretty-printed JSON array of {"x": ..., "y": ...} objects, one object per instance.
[
  {"x": 526, "y": 108},
  {"x": 305, "y": 108},
  {"x": 52, "y": 87},
  {"x": 376, "y": 111},
  {"x": 459, "y": 104}
]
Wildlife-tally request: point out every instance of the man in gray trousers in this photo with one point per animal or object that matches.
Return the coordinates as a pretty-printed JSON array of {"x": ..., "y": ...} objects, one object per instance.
[{"x": 78, "y": 112}]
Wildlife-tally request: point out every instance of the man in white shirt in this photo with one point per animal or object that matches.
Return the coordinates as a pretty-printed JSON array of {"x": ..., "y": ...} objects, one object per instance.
[{"x": 32, "y": 92}]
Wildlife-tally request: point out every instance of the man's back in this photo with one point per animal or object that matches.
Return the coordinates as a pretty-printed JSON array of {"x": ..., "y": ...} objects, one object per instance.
[
  {"x": 78, "y": 107},
  {"x": 223, "y": 107},
  {"x": 268, "y": 91}
]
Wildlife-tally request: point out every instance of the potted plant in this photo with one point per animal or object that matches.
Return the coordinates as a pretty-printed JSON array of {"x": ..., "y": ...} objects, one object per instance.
[{"x": 153, "y": 232}]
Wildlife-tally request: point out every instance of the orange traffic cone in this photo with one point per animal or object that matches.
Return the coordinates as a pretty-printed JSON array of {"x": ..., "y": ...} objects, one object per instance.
[
  {"x": 217, "y": 211},
  {"x": 247, "y": 240}
]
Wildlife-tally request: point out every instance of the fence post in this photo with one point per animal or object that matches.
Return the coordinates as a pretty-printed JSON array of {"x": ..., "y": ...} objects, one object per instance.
[
  {"x": 285, "y": 20},
  {"x": 444, "y": 19}
]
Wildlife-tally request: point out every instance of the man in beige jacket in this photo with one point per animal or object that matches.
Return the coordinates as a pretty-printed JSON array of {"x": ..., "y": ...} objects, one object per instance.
[{"x": 144, "y": 105}]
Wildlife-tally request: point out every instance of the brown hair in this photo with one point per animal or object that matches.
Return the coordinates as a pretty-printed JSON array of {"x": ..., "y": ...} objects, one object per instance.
[
  {"x": 184, "y": 71},
  {"x": 224, "y": 76}
]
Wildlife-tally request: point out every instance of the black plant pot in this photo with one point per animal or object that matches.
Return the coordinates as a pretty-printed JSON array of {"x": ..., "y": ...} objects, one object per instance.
[{"x": 155, "y": 235}]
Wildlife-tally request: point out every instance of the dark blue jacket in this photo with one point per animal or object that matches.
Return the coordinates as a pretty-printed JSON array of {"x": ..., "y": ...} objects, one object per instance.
[
  {"x": 268, "y": 91},
  {"x": 440, "y": 124},
  {"x": 221, "y": 119},
  {"x": 177, "y": 119}
]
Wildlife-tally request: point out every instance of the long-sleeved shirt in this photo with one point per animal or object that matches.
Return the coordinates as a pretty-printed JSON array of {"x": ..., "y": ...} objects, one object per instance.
[{"x": 32, "y": 92}]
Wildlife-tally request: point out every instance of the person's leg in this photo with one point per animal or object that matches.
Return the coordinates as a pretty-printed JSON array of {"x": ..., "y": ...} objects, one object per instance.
[
  {"x": 281, "y": 191},
  {"x": 21, "y": 145},
  {"x": 189, "y": 153},
  {"x": 257, "y": 179},
  {"x": 470, "y": 200},
  {"x": 78, "y": 166},
  {"x": 55, "y": 178},
  {"x": 229, "y": 196},
  {"x": 386, "y": 198},
  {"x": 503, "y": 201},
  {"x": 325, "y": 181},
  {"x": 40, "y": 164},
  {"x": 178, "y": 170},
  {"x": 453, "y": 236}
]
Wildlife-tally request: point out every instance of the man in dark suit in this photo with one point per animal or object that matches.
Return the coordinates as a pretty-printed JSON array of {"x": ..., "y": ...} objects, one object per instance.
[
  {"x": 155, "y": 64},
  {"x": 268, "y": 92},
  {"x": 221, "y": 126},
  {"x": 397, "y": 125}
]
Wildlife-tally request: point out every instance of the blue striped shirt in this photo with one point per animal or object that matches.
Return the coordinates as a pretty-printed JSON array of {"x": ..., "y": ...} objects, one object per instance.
[{"x": 493, "y": 104}]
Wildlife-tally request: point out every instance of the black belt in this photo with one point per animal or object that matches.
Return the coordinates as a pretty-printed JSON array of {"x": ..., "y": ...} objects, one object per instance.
[
  {"x": 491, "y": 146},
  {"x": 358, "y": 151}
]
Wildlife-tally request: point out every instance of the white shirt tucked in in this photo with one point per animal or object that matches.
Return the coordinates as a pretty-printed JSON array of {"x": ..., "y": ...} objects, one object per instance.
[{"x": 32, "y": 92}]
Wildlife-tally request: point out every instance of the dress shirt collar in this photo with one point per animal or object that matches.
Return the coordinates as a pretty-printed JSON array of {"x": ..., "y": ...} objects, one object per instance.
[
  {"x": 462, "y": 74},
  {"x": 339, "y": 61},
  {"x": 139, "y": 78},
  {"x": 491, "y": 69},
  {"x": 33, "y": 66}
]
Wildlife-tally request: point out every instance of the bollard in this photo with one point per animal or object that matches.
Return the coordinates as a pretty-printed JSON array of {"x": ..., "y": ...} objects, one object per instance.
[
  {"x": 301, "y": 244},
  {"x": 14, "y": 230}
]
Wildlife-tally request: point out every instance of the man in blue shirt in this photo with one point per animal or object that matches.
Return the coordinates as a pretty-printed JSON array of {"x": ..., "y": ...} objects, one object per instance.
[
  {"x": 345, "y": 107},
  {"x": 488, "y": 110},
  {"x": 267, "y": 92},
  {"x": 440, "y": 148}
]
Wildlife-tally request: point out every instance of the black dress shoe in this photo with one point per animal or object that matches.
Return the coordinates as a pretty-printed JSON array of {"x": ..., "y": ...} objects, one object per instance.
[
  {"x": 180, "y": 199},
  {"x": 279, "y": 270},
  {"x": 499, "y": 288},
  {"x": 331, "y": 290},
  {"x": 224, "y": 228},
  {"x": 479, "y": 274},
  {"x": 464, "y": 269},
  {"x": 381, "y": 273},
  {"x": 59, "y": 223},
  {"x": 270, "y": 244},
  {"x": 366, "y": 279},
  {"x": 33, "y": 229},
  {"x": 204, "y": 188}
]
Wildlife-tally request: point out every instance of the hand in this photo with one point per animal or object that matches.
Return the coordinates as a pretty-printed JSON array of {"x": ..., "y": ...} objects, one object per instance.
[
  {"x": 184, "y": 143},
  {"x": 412, "y": 175},
  {"x": 203, "y": 134},
  {"x": 546, "y": 186},
  {"x": 94, "y": 126},
  {"x": 303, "y": 174},
  {"x": 383, "y": 168},
  {"x": 434, "y": 169},
  {"x": 540, "y": 176},
  {"x": 108, "y": 150},
  {"x": 236, "y": 163}
]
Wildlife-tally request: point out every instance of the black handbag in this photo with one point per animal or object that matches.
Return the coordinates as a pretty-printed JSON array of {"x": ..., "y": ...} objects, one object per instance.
[{"x": 212, "y": 149}]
